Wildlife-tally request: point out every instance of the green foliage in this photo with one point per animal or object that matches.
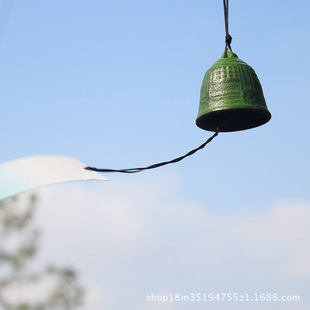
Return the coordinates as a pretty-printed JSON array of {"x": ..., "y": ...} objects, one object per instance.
[{"x": 19, "y": 243}]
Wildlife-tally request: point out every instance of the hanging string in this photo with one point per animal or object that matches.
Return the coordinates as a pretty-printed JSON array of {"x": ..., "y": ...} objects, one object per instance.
[
  {"x": 134, "y": 170},
  {"x": 228, "y": 37}
]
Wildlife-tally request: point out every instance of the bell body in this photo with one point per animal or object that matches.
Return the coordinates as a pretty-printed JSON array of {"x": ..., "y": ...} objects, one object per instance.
[{"x": 231, "y": 97}]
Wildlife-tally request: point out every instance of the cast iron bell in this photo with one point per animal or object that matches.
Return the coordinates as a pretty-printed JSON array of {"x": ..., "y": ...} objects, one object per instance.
[{"x": 231, "y": 97}]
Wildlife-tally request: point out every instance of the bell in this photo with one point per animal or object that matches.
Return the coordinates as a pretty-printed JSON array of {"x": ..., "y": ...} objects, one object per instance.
[{"x": 231, "y": 97}]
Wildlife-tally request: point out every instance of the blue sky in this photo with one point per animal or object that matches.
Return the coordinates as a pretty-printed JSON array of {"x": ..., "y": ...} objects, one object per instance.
[{"x": 116, "y": 84}]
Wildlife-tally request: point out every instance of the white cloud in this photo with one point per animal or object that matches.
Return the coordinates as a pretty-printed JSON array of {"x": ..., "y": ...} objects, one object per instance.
[
  {"x": 131, "y": 238},
  {"x": 97, "y": 297},
  {"x": 30, "y": 292}
]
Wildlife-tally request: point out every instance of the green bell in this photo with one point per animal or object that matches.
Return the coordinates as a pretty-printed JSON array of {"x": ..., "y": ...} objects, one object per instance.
[{"x": 231, "y": 97}]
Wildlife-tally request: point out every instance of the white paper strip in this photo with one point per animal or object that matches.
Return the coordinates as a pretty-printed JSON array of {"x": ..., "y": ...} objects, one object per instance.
[{"x": 28, "y": 173}]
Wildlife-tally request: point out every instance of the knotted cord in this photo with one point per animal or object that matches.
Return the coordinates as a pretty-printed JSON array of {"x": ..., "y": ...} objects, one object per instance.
[{"x": 228, "y": 37}]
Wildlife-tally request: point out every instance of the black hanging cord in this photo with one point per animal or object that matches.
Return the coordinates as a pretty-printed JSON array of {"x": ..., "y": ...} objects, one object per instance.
[
  {"x": 134, "y": 170},
  {"x": 228, "y": 37}
]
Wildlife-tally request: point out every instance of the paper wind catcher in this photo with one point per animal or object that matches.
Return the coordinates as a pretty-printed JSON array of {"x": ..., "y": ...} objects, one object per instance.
[{"x": 29, "y": 173}]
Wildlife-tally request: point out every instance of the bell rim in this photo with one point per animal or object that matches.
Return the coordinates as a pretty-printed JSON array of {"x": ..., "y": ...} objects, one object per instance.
[{"x": 262, "y": 116}]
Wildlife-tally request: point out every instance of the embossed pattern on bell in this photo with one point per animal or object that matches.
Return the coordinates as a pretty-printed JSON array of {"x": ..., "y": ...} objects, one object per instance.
[{"x": 231, "y": 97}]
